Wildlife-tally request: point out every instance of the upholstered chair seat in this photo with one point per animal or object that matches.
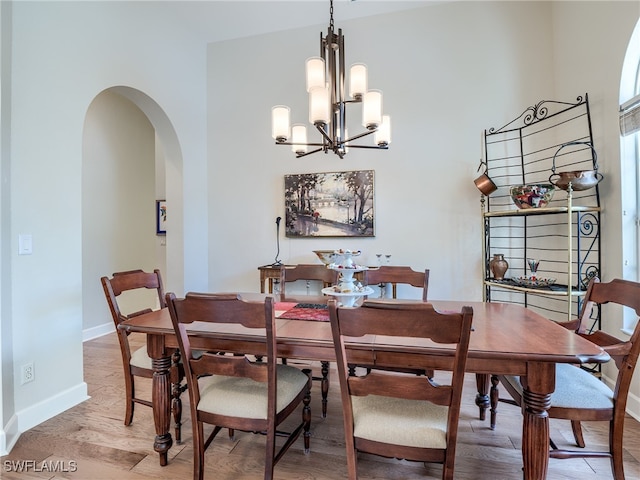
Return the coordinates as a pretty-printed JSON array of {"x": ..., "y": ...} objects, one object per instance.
[
  {"x": 414, "y": 423},
  {"x": 244, "y": 397},
  {"x": 575, "y": 388},
  {"x": 141, "y": 359}
]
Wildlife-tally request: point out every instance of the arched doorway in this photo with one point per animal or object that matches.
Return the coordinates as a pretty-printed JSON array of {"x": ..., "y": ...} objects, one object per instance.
[{"x": 129, "y": 145}]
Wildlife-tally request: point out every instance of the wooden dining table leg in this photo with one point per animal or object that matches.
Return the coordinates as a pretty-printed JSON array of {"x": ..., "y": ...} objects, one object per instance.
[
  {"x": 160, "y": 395},
  {"x": 324, "y": 387},
  {"x": 538, "y": 386},
  {"x": 482, "y": 397}
]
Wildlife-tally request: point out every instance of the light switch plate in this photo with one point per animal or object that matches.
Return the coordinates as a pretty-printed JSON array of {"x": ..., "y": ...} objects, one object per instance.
[{"x": 25, "y": 244}]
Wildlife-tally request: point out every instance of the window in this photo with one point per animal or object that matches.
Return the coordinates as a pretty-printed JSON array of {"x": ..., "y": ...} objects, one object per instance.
[{"x": 630, "y": 165}]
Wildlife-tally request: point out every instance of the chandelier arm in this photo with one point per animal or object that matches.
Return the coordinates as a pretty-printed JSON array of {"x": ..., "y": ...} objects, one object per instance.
[
  {"x": 360, "y": 136},
  {"x": 325, "y": 136},
  {"x": 305, "y": 144},
  {"x": 299, "y": 155},
  {"x": 375, "y": 147}
]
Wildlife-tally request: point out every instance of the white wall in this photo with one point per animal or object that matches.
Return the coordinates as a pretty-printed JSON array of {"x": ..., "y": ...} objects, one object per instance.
[
  {"x": 64, "y": 54},
  {"x": 7, "y": 407}
]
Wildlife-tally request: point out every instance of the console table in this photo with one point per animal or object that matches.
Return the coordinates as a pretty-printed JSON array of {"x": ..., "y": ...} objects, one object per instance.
[{"x": 271, "y": 273}]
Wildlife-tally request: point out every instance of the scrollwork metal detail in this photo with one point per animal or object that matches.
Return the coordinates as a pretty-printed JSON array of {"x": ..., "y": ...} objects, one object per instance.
[{"x": 534, "y": 114}]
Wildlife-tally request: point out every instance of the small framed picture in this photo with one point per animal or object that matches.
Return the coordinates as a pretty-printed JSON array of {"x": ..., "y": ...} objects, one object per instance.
[{"x": 161, "y": 217}]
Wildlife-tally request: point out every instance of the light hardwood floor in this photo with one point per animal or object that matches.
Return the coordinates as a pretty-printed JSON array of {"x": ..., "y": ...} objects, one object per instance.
[{"x": 92, "y": 440}]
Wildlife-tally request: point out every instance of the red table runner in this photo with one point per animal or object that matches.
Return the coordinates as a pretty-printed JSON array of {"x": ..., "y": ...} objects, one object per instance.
[{"x": 302, "y": 311}]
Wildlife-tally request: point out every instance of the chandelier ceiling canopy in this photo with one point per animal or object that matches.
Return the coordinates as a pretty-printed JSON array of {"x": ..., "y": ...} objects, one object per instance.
[{"x": 325, "y": 82}]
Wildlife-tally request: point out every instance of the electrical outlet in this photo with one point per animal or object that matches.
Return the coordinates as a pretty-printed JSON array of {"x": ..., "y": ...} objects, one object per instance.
[{"x": 28, "y": 373}]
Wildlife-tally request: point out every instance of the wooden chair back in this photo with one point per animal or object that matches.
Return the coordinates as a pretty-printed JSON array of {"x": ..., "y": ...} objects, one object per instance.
[
  {"x": 223, "y": 309},
  {"x": 126, "y": 281},
  {"x": 595, "y": 402},
  {"x": 309, "y": 272},
  {"x": 624, "y": 353},
  {"x": 231, "y": 369},
  {"x": 398, "y": 275},
  {"x": 138, "y": 363},
  {"x": 414, "y": 320}
]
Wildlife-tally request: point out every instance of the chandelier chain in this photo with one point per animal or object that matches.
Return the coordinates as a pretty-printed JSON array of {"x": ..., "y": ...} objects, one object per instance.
[{"x": 331, "y": 15}]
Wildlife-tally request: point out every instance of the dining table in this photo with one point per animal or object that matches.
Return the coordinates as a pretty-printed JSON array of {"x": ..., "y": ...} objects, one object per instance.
[{"x": 507, "y": 339}]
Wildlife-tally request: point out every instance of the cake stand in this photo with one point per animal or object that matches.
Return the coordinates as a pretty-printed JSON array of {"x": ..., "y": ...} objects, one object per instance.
[{"x": 347, "y": 292}]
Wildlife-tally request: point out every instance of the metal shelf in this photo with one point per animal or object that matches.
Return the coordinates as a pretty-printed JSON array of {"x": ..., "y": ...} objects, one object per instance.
[
  {"x": 555, "y": 289},
  {"x": 541, "y": 211},
  {"x": 564, "y": 235}
]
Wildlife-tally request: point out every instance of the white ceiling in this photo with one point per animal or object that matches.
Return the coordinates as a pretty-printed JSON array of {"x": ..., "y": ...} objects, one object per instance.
[{"x": 216, "y": 20}]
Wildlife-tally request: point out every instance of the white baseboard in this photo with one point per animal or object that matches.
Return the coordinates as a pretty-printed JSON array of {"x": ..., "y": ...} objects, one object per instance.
[
  {"x": 28, "y": 418},
  {"x": 50, "y": 407},
  {"x": 9, "y": 436},
  {"x": 99, "y": 331}
]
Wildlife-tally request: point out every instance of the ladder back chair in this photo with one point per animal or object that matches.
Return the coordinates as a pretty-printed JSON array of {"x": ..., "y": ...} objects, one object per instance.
[
  {"x": 581, "y": 396},
  {"x": 137, "y": 363},
  {"x": 398, "y": 275},
  {"x": 309, "y": 273},
  {"x": 230, "y": 391},
  {"x": 400, "y": 415}
]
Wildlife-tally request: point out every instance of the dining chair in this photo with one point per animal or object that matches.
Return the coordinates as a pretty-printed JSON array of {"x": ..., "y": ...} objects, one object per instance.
[
  {"x": 400, "y": 415},
  {"x": 311, "y": 273},
  {"x": 395, "y": 275},
  {"x": 398, "y": 275},
  {"x": 580, "y": 395},
  {"x": 230, "y": 391},
  {"x": 139, "y": 286},
  {"x": 308, "y": 273}
]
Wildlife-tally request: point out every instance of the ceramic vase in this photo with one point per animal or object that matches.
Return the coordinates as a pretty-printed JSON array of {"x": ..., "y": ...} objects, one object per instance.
[{"x": 498, "y": 266}]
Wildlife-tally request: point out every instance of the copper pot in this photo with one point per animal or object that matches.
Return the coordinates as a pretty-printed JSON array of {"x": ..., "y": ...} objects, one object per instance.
[
  {"x": 485, "y": 184},
  {"x": 579, "y": 179}
]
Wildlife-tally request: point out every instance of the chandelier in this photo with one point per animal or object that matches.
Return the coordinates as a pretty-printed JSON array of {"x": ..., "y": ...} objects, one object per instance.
[{"x": 325, "y": 77}]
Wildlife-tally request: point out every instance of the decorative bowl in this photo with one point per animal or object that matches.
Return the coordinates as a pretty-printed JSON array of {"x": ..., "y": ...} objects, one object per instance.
[
  {"x": 533, "y": 282},
  {"x": 326, "y": 256},
  {"x": 532, "y": 196},
  {"x": 579, "y": 179}
]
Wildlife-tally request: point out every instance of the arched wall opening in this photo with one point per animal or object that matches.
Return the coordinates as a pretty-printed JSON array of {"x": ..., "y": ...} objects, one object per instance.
[{"x": 129, "y": 150}]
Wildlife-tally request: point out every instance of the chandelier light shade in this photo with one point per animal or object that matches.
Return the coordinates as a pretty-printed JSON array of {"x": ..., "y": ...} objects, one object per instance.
[
  {"x": 319, "y": 106},
  {"x": 299, "y": 139},
  {"x": 280, "y": 123},
  {"x": 382, "y": 137},
  {"x": 325, "y": 84},
  {"x": 372, "y": 109},
  {"x": 357, "y": 80},
  {"x": 315, "y": 73}
]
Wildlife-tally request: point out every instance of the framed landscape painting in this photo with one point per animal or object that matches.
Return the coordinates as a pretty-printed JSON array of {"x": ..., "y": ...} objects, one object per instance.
[{"x": 334, "y": 204}]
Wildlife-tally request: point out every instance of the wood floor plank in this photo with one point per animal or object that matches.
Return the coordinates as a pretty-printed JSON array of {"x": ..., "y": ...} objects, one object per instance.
[{"x": 93, "y": 436}]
